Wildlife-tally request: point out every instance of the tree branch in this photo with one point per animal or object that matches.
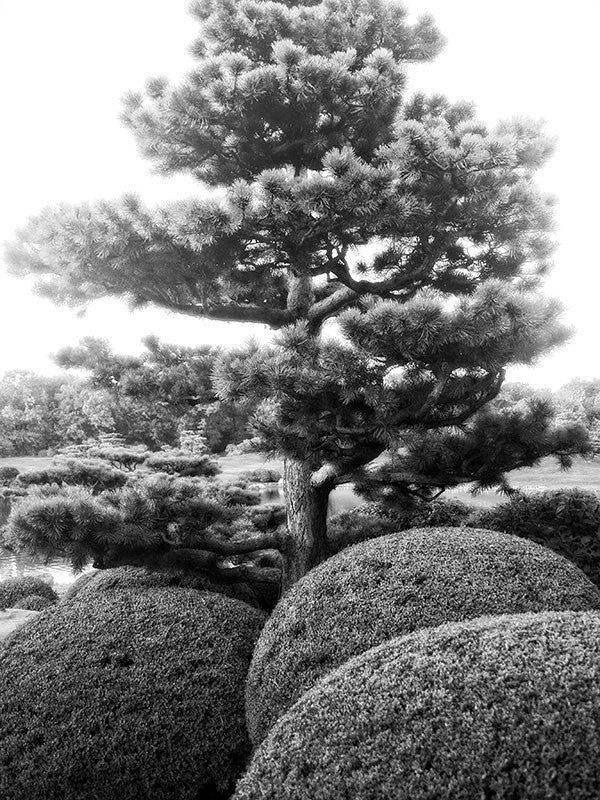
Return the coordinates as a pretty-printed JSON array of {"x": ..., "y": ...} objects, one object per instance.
[{"x": 233, "y": 312}]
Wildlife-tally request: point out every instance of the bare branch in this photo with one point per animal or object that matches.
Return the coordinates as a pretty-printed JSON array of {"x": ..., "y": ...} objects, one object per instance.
[{"x": 233, "y": 312}]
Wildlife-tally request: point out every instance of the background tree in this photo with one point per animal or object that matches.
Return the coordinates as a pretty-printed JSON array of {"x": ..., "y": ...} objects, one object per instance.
[
  {"x": 413, "y": 224},
  {"x": 159, "y": 394},
  {"x": 29, "y": 412}
]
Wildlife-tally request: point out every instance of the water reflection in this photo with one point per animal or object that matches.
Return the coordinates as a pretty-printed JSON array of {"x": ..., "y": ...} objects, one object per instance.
[{"x": 59, "y": 573}]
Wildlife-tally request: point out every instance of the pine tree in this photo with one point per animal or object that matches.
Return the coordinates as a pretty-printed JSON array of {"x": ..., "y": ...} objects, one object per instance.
[{"x": 397, "y": 244}]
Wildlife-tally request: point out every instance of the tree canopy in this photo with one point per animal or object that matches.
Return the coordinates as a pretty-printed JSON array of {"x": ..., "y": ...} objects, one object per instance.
[{"x": 396, "y": 242}]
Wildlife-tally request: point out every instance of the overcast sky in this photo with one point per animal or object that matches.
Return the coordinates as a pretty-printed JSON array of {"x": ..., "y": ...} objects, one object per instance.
[{"x": 65, "y": 65}]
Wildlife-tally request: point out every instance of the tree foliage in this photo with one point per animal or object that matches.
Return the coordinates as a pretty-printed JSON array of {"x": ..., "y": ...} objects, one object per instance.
[
  {"x": 397, "y": 243},
  {"x": 166, "y": 522}
]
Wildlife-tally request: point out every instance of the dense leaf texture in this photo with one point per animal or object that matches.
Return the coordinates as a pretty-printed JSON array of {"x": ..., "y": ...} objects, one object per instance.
[
  {"x": 131, "y": 693},
  {"x": 393, "y": 585},
  {"x": 498, "y": 707}
]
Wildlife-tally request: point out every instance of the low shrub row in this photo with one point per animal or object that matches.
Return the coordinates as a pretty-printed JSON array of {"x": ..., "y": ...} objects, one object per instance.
[{"x": 262, "y": 475}]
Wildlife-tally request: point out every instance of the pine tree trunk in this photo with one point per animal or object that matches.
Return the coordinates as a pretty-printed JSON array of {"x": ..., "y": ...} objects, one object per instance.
[{"x": 306, "y": 508}]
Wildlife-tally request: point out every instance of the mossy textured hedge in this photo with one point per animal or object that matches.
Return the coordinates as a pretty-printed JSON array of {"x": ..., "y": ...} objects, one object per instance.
[
  {"x": 129, "y": 577},
  {"x": 12, "y": 590},
  {"x": 500, "y": 707},
  {"x": 129, "y": 694},
  {"x": 377, "y": 590}
]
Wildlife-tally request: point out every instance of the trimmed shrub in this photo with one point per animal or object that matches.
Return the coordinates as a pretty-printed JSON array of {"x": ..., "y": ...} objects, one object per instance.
[
  {"x": 393, "y": 585},
  {"x": 567, "y": 521},
  {"x": 500, "y": 707},
  {"x": 127, "y": 694},
  {"x": 93, "y": 473},
  {"x": 119, "y": 578},
  {"x": 34, "y": 602},
  {"x": 13, "y": 590},
  {"x": 7, "y": 475},
  {"x": 183, "y": 464},
  {"x": 372, "y": 520}
]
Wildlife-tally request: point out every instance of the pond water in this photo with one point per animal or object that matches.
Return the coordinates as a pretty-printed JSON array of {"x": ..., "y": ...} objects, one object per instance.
[{"x": 59, "y": 573}]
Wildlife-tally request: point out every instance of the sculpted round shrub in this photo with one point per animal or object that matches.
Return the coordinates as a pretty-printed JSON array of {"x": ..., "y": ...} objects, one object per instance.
[
  {"x": 13, "y": 590},
  {"x": 499, "y": 707},
  {"x": 377, "y": 590},
  {"x": 128, "y": 694}
]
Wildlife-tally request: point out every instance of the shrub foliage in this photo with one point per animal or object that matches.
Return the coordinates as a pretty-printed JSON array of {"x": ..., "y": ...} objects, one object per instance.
[
  {"x": 14, "y": 590},
  {"x": 134, "y": 693},
  {"x": 393, "y": 585},
  {"x": 500, "y": 707},
  {"x": 567, "y": 521}
]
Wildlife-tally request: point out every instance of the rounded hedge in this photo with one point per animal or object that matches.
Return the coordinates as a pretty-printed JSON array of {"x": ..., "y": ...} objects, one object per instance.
[
  {"x": 393, "y": 585},
  {"x": 499, "y": 707},
  {"x": 128, "y": 694},
  {"x": 130, "y": 577},
  {"x": 12, "y": 590}
]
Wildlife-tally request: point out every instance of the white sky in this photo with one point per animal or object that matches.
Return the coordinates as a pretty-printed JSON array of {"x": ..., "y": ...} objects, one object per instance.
[{"x": 65, "y": 64}]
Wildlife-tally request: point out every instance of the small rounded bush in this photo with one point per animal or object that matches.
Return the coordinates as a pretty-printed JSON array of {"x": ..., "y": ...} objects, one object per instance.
[
  {"x": 12, "y": 590},
  {"x": 129, "y": 694},
  {"x": 8, "y": 474},
  {"x": 34, "y": 602},
  {"x": 377, "y": 590},
  {"x": 499, "y": 707}
]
